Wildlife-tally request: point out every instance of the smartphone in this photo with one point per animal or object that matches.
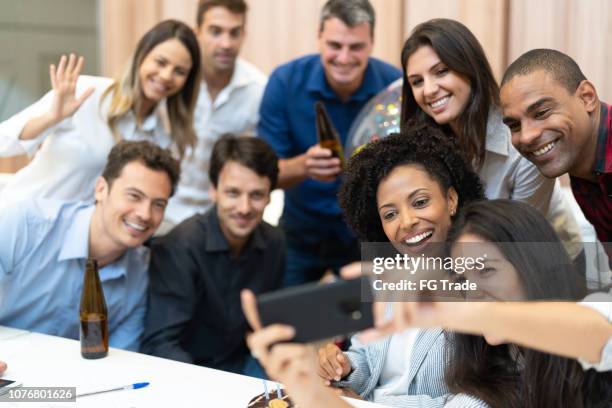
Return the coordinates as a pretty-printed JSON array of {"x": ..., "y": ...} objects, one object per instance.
[
  {"x": 320, "y": 311},
  {"x": 7, "y": 385}
]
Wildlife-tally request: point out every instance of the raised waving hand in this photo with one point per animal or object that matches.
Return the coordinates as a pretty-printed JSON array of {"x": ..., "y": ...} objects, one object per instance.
[
  {"x": 64, "y": 102},
  {"x": 63, "y": 80}
]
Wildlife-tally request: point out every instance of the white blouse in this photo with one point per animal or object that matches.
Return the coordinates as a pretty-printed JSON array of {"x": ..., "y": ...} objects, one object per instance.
[{"x": 74, "y": 152}]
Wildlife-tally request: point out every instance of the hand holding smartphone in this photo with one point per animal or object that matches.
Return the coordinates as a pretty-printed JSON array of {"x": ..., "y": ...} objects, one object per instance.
[{"x": 320, "y": 311}]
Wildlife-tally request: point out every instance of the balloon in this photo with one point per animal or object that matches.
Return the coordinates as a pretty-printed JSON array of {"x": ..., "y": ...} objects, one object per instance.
[{"x": 379, "y": 118}]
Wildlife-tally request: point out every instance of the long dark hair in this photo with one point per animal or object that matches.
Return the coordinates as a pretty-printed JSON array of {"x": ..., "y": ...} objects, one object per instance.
[
  {"x": 126, "y": 93},
  {"x": 507, "y": 375},
  {"x": 461, "y": 52}
]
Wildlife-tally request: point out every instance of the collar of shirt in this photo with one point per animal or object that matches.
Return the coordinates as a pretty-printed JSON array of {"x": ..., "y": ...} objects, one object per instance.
[
  {"x": 240, "y": 78},
  {"x": 603, "y": 152},
  {"x": 216, "y": 241},
  {"x": 156, "y": 120},
  {"x": 498, "y": 137},
  {"x": 76, "y": 240},
  {"x": 371, "y": 84},
  {"x": 76, "y": 245}
]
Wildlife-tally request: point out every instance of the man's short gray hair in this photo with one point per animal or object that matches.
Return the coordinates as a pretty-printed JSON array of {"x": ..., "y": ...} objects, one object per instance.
[{"x": 350, "y": 12}]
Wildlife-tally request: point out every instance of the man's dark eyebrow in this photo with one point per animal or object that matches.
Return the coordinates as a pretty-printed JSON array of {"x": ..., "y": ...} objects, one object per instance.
[
  {"x": 135, "y": 190},
  {"x": 538, "y": 104}
]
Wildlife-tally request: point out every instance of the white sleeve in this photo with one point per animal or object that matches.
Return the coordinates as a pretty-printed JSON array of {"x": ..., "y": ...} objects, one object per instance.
[
  {"x": 10, "y": 129},
  {"x": 602, "y": 303}
]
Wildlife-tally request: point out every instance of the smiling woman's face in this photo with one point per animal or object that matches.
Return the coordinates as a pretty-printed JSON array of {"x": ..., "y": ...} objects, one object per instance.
[
  {"x": 414, "y": 209},
  {"x": 439, "y": 91},
  {"x": 498, "y": 280}
]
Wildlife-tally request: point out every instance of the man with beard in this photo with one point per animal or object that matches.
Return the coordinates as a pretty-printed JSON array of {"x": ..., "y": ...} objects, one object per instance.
[
  {"x": 199, "y": 268},
  {"x": 558, "y": 123}
]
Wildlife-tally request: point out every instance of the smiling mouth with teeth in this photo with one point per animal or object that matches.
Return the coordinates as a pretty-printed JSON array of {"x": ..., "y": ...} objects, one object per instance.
[
  {"x": 439, "y": 102},
  {"x": 544, "y": 149},
  {"x": 135, "y": 226},
  {"x": 417, "y": 239}
]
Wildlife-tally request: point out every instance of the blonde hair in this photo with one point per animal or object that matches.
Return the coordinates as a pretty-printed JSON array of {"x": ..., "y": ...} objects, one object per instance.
[{"x": 126, "y": 93}]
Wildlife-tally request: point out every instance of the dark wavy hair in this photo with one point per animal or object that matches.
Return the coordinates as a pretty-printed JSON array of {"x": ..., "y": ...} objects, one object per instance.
[
  {"x": 423, "y": 145},
  {"x": 534, "y": 379},
  {"x": 251, "y": 152},
  {"x": 145, "y": 152},
  {"x": 461, "y": 52}
]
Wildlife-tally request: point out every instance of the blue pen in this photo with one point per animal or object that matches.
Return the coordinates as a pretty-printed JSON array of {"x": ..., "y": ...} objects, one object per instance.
[{"x": 134, "y": 386}]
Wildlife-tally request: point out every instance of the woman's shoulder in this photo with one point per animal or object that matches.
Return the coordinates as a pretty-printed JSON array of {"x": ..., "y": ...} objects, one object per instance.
[{"x": 498, "y": 138}]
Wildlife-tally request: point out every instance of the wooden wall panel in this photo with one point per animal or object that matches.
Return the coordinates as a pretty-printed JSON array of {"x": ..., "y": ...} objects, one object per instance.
[
  {"x": 123, "y": 22},
  {"x": 280, "y": 30},
  {"x": 579, "y": 28},
  {"x": 277, "y": 30},
  {"x": 487, "y": 19}
]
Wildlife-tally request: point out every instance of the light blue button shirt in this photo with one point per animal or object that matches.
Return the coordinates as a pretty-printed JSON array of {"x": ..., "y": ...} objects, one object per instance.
[{"x": 43, "y": 248}]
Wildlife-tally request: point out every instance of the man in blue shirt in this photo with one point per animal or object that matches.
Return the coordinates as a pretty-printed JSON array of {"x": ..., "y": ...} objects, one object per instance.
[
  {"x": 45, "y": 244},
  {"x": 344, "y": 77}
]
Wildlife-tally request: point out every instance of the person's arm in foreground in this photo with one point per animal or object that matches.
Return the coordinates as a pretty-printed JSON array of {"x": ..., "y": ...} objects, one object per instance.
[
  {"x": 562, "y": 328},
  {"x": 295, "y": 365}
]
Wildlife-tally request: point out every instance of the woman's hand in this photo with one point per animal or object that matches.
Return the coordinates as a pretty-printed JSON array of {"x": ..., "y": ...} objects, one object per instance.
[
  {"x": 64, "y": 102},
  {"x": 63, "y": 80},
  {"x": 295, "y": 365},
  {"x": 2, "y": 367},
  {"x": 333, "y": 364}
]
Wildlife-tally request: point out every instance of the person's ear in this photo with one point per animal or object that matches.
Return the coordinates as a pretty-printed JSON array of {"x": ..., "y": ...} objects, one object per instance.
[
  {"x": 587, "y": 94},
  {"x": 101, "y": 189},
  {"x": 453, "y": 200},
  {"x": 212, "y": 192}
]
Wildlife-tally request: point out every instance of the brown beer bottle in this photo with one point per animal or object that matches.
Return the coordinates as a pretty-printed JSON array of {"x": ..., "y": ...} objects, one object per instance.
[
  {"x": 327, "y": 134},
  {"x": 94, "y": 315}
]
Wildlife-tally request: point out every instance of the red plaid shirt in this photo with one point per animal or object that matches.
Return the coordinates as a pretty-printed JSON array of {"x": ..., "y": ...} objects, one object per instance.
[{"x": 595, "y": 199}]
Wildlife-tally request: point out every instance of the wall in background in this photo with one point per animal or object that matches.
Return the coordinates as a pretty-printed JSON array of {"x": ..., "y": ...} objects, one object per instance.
[
  {"x": 279, "y": 30},
  {"x": 33, "y": 34}
]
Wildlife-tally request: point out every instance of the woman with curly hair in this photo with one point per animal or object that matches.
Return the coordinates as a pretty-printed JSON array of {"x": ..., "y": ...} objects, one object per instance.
[
  {"x": 404, "y": 189},
  {"x": 448, "y": 83},
  {"x": 501, "y": 354}
]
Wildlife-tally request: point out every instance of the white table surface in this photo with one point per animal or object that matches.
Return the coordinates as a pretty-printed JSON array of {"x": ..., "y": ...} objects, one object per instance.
[{"x": 36, "y": 359}]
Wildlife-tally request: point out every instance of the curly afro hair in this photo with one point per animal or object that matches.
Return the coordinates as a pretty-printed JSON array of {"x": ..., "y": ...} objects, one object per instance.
[{"x": 424, "y": 145}]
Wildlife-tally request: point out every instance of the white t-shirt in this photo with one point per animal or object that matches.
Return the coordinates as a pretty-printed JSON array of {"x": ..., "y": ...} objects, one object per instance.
[{"x": 393, "y": 378}]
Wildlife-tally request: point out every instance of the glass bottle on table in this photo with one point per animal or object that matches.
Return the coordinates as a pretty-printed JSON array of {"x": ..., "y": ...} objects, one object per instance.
[
  {"x": 327, "y": 134},
  {"x": 93, "y": 314}
]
